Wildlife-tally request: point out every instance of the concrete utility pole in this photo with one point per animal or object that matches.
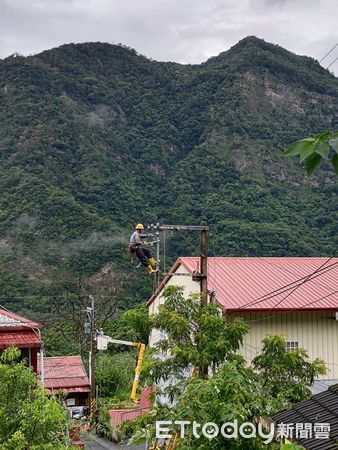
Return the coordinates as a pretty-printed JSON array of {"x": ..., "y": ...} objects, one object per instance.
[
  {"x": 204, "y": 264},
  {"x": 91, "y": 313},
  {"x": 202, "y": 275}
]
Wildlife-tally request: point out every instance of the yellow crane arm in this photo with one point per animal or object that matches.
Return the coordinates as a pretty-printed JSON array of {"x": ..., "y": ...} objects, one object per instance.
[
  {"x": 102, "y": 344},
  {"x": 141, "y": 349}
]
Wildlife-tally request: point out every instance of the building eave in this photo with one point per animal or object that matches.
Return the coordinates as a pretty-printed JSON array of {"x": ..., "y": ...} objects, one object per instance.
[
  {"x": 19, "y": 321},
  {"x": 172, "y": 271},
  {"x": 277, "y": 311}
]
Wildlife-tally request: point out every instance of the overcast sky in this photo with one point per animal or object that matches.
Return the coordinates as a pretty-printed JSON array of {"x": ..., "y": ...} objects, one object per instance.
[{"x": 185, "y": 31}]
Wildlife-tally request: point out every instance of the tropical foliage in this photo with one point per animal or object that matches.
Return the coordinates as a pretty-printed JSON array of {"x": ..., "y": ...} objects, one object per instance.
[
  {"x": 28, "y": 417},
  {"x": 312, "y": 151},
  {"x": 197, "y": 337}
]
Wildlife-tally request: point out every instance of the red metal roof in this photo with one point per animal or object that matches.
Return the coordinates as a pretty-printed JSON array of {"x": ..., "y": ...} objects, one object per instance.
[
  {"x": 9, "y": 319},
  {"x": 20, "y": 339},
  {"x": 119, "y": 415},
  {"x": 66, "y": 373},
  {"x": 240, "y": 283}
]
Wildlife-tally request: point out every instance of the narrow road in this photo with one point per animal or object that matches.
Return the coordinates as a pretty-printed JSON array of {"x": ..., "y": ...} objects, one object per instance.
[{"x": 95, "y": 443}]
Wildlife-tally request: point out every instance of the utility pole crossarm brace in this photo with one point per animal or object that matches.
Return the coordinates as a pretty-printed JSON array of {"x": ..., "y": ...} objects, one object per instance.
[{"x": 180, "y": 227}]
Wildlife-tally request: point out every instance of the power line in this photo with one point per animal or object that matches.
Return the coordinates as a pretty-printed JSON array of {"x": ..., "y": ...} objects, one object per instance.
[
  {"x": 327, "y": 54},
  {"x": 332, "y": 63},
  {"x": 300, "y": 284},
  {"x": 286, "y": 287},
  {"x": 39, "y": 295},
  {"x": 287, "y": 312},
  {"x": 6, "y": 309},
  {"x": 282, "y": 289},
  {"x": 282, "y": 269},
  {"x": 309, "y": 278},
  {"x": 287, "y": 270},
  {"x": 319, "y": 271}
]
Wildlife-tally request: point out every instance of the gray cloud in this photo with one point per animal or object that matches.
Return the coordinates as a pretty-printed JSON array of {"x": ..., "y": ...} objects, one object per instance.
[{"x": 186, "y": 31}]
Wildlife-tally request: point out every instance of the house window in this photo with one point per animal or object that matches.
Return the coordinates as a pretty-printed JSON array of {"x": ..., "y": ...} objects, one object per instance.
[{"x": 291, "y": 346}]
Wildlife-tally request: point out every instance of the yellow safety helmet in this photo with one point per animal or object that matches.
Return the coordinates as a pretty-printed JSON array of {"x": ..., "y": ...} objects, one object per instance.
[{"x": 139, "y": 226}]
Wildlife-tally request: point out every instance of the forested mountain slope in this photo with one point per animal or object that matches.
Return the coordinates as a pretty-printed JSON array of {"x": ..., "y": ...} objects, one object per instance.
[{"x": 94, "y": 138}]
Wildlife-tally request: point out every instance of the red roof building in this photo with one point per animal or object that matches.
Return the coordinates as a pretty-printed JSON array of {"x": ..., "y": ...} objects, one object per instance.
[
  {"x": 68, "y": 374},
  {"x": 64, "y": 373},
  {"x": 17, "y": 331},
  {"x": 292, "y": 296}
]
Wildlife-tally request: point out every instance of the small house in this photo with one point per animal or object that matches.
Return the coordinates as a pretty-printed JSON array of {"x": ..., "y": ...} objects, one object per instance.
[
  {"x": 17, "y": 331},
  {"x": 296, "y": 297},
  {"x": 67, "y": 374}
]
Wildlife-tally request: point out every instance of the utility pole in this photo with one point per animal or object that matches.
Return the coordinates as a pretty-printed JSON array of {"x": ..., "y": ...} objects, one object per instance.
[
  {"x": 202, "y": 275},
  {"x": 204, "y": 264},
  {"x": 91, "y": 314}
]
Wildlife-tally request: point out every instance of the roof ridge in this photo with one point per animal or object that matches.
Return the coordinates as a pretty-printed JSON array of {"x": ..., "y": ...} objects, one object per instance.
[
  {"x": 66, "y": 356},
  {"x": 17, "y": 318},
  {"x": 260, "y": 257}
]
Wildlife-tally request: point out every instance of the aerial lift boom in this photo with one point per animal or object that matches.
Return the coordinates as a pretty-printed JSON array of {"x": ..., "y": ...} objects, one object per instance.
[{"x": 102, "y": 344}]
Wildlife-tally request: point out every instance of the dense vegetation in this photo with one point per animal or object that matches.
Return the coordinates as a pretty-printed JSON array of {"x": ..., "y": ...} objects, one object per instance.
[
  {"x": 29, "y": 419},
  {"x": 198, "y": 338},
  {"x": 94, "y": 138}
]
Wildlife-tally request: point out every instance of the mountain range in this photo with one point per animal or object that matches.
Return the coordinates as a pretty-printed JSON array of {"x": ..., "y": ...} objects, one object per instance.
[{"x": 96, "y": 137}]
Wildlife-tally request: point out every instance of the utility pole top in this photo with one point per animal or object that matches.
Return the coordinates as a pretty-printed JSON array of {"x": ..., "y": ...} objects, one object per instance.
[{"x": 202, "y": 275}]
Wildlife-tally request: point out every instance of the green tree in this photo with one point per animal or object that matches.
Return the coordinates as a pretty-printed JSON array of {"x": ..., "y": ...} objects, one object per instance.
[
  {"x": 196, "y": 338},
  {"x": 28, "y": 418},
  {"x": 199, "y": 337},
  {"x": 286, "y": 376},
  {"x": 115, "y": 373},
  {"x": 277, "y": 380},
  {"x": 292, "y": 447},
  {"x": 233, "y": 393},
  {"x": 313, "y": 150},
  {"x": 137, "y": 319}
]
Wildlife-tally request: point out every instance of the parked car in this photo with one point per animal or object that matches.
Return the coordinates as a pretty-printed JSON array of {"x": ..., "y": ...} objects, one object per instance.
[{"x": 78, "y": 412}]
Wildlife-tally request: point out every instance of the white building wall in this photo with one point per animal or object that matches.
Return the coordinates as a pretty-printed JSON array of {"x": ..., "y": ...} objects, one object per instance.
[
  {"x": 316, "y": 332},
  {"x": 189, "y": 287}
]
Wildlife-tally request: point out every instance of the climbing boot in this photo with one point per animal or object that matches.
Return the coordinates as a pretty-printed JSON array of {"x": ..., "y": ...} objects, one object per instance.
[
  {"x": 153, "y": 262},
  {"x": 150, "y": 269}
]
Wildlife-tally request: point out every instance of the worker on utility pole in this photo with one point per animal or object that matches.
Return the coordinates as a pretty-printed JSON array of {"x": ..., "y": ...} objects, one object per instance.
[{"x": 143, "y": 254}]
